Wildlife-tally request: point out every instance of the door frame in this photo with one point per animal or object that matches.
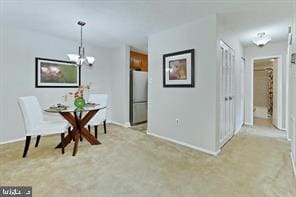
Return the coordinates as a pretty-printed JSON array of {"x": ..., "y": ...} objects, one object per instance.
[
  {"x": 280, "y": 93},
  {"x": 242, "y": 91},
  {"x": 229, "y": 130}
]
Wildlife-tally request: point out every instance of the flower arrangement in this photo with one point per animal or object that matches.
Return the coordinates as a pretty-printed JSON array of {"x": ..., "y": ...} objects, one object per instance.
[
  {"x": 80, "y": 91},
  {"x": 78, "y": 95}
]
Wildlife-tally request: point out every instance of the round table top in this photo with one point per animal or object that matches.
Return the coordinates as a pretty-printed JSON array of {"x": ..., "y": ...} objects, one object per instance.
[{"x": 73, "y": 109}]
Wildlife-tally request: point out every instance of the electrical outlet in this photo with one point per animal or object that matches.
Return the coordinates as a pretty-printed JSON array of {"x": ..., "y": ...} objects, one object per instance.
[{"x": 177, "y": 121}]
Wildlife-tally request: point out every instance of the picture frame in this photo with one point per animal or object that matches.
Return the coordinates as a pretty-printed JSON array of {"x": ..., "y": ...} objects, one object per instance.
[
  {"x": 51, "y": 73},
  {"x": 178, "y": 69}
]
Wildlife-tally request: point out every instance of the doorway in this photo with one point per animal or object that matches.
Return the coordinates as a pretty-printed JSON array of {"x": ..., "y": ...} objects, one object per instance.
[
  {"x": 267, "y": 94},
  {"x": 138, "y": 90}
]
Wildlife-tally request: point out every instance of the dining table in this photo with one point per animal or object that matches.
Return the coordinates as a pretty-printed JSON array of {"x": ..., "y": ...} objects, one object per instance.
[{"x": 77, "y": 119}]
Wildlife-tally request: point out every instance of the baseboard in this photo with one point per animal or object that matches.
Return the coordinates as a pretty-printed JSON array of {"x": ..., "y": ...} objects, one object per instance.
[
  {"x": 289, "y": 139},
  {"x": 185, "y": 144},
  {"x": 11, "y": 141},
  {"x": 126, "y": 125},
  {"x": 248, "y": 124},
  {"x": 293, "y": 163},
  {"x": 237, "y": 131}
]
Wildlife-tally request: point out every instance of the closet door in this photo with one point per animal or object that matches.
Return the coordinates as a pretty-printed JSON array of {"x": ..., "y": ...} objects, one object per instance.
[
  {"x": 231, "y": 93},
  {"x": 227, "y": 122},
  {"x": 222, "y": 96},
  {"x": 242, "y": 93},
  {"x": 227, "y": 95},
  {"x": 224, "y": 102}
]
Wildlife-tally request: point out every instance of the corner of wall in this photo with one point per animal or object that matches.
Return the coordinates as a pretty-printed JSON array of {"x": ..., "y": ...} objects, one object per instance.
[{"x": 120, "y": 85}]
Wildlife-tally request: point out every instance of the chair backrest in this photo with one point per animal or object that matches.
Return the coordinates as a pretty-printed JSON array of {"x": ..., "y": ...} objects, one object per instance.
[
  {"x": 31, "y": 111},
  {"x": 101, "y": 99}
]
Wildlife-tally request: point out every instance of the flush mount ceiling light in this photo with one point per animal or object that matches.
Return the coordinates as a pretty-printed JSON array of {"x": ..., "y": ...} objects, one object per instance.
[
  {"x": 81, "y": 59},
  {"x": 261, "y": 39}
]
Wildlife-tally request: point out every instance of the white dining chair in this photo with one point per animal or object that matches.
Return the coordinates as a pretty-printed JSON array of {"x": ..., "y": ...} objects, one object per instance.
[
  {"x": 34, "y": 122},
  {"x": 100, "y": 117}
]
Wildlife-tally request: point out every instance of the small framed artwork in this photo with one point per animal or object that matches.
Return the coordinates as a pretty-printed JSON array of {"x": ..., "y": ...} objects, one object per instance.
[
  {"x": 56, "y": 74},
  {"x": 178, "y": 69}
]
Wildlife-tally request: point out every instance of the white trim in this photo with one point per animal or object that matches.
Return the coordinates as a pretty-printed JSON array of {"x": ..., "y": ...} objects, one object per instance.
[
  {"x": 237, "y": 131},
  {"x": 125, "y": 125},
  {"x": 287, "y": 92},
  {"x": 282, "y": 129},
  {"x": 289, "y": 139},
  {"x": 242, "y": 91},
  {"x": 248, "y": 124},
  {"x": 11, "y": 141},
  {"x": 185, "y": 144},
  {"x": 293, "y": 163}
]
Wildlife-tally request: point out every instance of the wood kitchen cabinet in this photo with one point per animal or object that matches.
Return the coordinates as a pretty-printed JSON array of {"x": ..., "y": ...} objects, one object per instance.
[{"x": 139, "y": 61}]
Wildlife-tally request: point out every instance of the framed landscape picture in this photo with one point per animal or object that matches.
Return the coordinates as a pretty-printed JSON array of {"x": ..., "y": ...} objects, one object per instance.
[
  {"x": 178, "y": 69},
  {"x": 56, "y": 74}
]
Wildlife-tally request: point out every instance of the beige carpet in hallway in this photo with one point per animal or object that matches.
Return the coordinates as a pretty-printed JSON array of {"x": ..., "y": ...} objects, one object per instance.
[
  {"x": 131, "y": 163},
  {"x": 264, "y": 127}
]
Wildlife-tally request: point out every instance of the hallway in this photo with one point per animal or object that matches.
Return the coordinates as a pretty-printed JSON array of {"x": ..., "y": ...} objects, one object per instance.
[{"x": 264, "y": 127}]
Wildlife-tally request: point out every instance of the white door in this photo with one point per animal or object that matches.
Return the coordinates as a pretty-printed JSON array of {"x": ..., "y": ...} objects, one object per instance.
[
  {"x": 231, "y": 93},
  {"x": 222, "y": 96},
  {"x": 226, "y": 94},
  {"x": 226, "y": 124}
]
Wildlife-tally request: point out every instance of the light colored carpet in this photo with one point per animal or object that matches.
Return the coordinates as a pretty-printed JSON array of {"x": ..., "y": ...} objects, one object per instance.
[
  {"x": 264, "y": 127},
  {"x": 140, "y": 127},
  {"x": 130, "y": 163}
]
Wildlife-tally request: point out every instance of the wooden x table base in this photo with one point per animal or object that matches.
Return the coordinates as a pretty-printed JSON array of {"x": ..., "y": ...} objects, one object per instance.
[{"x": 78, "y": 129}]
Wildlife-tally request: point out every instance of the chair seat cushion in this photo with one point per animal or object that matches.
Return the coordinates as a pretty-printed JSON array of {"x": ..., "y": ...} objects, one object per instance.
[
  {"x": 49, "y": 127},
  {"x": 97, "y": 121}
]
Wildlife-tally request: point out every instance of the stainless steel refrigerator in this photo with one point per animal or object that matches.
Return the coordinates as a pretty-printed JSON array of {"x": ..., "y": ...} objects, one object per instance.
[{"x": 138, "y": 96}]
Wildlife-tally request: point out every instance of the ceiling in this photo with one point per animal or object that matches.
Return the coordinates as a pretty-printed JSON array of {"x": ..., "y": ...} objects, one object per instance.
[
  {"x": 271, "y": 20},
  {"x": 114, "y": 23}
]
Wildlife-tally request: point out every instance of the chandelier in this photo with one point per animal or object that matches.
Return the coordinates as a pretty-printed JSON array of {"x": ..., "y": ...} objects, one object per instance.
[
  {"x": 261, "y": 39},
  {"x": 80, "y": 59}
]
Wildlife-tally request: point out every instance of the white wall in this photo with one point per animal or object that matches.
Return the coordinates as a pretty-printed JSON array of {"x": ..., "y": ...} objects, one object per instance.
[
  {"x": 232, "y": 40},
  {"x": 194, "y": 107},
  {"x": 271, "y": 49},
  {"x": 294, "y": 51},
  {"x": 292, "y": 97},
  {"x": 120, "y": 86},
  {"x": 18, "y": 50}
]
